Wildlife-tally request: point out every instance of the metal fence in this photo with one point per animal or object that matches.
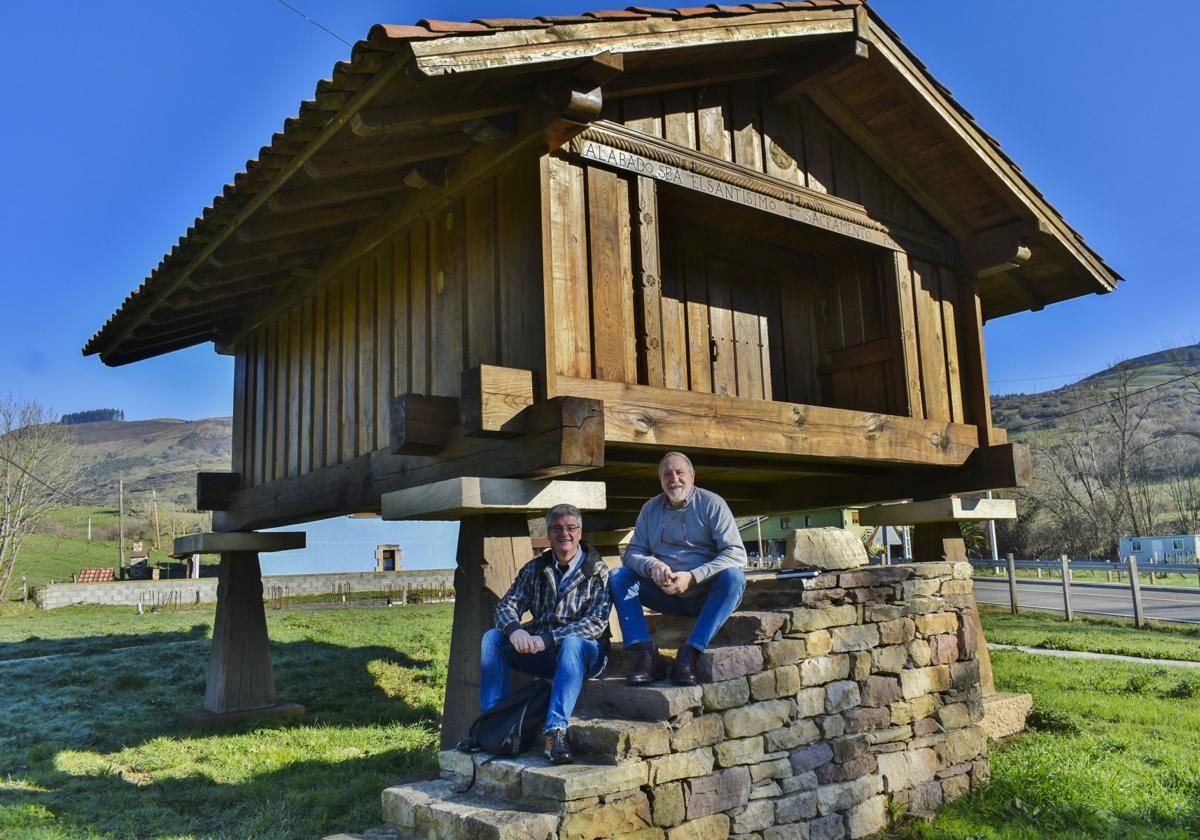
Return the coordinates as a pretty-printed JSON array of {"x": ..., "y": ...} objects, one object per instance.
[{"x": 1064, "y": 567}]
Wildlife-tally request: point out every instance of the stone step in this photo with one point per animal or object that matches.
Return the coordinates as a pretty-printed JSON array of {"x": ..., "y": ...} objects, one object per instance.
[
  {"x": 714, "y": 665},
  {"x": 437, "y": 811},
  {"x": 744, "y": 627},
  {"x": 533, "y": 780},
  {"x": 611, "y": 697}
]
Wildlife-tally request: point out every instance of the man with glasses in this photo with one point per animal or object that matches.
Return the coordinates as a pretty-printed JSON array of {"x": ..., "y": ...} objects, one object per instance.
[
  {"x": 566, "y": 591},
  {"x": 685, "y": 557}
]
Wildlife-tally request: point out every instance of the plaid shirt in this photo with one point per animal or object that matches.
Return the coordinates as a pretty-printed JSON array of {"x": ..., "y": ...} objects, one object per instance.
[{"x": 581, "y": 609}]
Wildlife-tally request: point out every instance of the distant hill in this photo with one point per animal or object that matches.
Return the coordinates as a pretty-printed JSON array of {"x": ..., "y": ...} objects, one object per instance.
[
  {"x": 1176, "y": 399},
  {"x": 161, "y": 454}
]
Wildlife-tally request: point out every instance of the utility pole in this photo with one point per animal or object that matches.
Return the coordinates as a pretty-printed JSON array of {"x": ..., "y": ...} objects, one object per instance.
[
  {"x": 157, "y": 531},
  {"x": 992, "y": 536},
  {"x": 121, "y": 526},
  {"x": 758, "y": 525},
  {"x": 89, "y": 529}
]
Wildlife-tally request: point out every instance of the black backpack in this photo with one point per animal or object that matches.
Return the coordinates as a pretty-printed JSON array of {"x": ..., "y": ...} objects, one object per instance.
[{"x": 513, "y": 725}]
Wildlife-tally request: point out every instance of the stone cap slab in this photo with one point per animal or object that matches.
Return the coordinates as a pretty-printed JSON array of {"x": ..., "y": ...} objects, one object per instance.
[
  {"x": 231, "y": 541},
  {"x": 457, "y": 497},
  {"x": 953, "y": 509}
]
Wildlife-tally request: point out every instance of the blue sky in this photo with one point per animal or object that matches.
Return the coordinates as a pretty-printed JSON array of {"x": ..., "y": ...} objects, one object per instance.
[{"x": 125, "y": 118}]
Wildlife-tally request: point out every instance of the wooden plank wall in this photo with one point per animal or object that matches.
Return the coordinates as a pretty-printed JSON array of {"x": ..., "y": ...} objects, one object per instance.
[
  {"x": 458, "y": 288},
  {"x": 794, "y": 142}
]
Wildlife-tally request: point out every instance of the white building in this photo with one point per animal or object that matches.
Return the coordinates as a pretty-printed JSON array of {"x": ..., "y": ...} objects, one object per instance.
[{"x": 1175, "y": 548}]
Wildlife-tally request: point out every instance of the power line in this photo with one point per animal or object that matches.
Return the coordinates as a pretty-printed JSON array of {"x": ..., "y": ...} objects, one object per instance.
[
  {"x": 1032, "y": 378},
  {"x": 315, "y": 23},
  {"x": 49, "y": 487},
  {"x": 1104, "y": 402}
]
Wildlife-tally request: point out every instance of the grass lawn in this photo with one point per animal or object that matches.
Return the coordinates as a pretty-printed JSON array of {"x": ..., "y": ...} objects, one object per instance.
[
  {"x": 89, "y": 747},
  {"x": 1096, "y": 634},
  {"x": 1175, "y": 579}
]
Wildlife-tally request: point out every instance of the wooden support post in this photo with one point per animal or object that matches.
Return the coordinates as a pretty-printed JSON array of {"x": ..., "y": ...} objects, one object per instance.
[
  {"x": 938, "y": 542},
  {"x": 1012, "y": 583},
  {"x": 1066, "y": 585},
  {"x": 491, "y": 549},
  {"x": 1135, "y": 586}
]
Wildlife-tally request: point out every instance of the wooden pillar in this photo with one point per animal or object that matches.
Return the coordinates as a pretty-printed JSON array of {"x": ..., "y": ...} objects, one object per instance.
[
  {"x": 491, "y": 549},
  {"x": 938, "y": 542},
  {"x": 239, "y": 666}
]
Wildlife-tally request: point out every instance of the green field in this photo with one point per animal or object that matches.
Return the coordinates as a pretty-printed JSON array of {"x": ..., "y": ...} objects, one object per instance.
[{"x": 90, "y": 747}]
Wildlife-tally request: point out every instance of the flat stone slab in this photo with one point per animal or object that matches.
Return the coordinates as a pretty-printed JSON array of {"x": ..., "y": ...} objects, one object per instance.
[
  {"x": 1004, "y": 714},
  {"x": 456, "y": 497},
  {"x": 827, "y": 549},
  {"x": 437, "y": 809},
  {"x": 638, "y": 702},
  {"x": 953, "y": 509},
  {"x": 221, "y": 543},
  {"x": 742, "y": 628},
  {"x": 567, "y": 782}
]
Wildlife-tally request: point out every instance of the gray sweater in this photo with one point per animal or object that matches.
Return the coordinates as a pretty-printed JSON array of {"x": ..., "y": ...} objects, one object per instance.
[{"x": 700, "y": 537}]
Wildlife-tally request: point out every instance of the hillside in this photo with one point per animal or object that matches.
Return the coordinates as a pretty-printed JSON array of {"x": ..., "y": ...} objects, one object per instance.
[
  {"x": 161, "y": 454},
  {"x": 1178, "y": 400}
]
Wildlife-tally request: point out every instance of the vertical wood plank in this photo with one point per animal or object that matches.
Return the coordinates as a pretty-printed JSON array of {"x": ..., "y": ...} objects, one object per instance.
[
  {"x": 569, "y": 257},
  {"x": 906, "y": 337},
  {"x": 401, "y": 315},
  {"x": 770, "y": 324},
  {"x": 611, "y": 320},
  {"x": 524, "y": 241},
  {"x": 448, "y": 324},
  {"x": 650, "y": 286},
  {"x": 279, "y": 350},
  {"x": 781, "y": 140},
  {"x": 261, "y": 413},
  {"x": 364, "y": 355},
  {"x": 238, "y": 443},
  {"x": 644, "y": 114},
  {"x": 720, "y": 320},
  {"x": 481, "y": 338},
  {"x": 419, "y": 290},
  {"x": 296, "y": 390},
  {"x": 930, "y": 341},
  {"x": 711, "y": 122},
  {"x": 349, "y": 380},
  {"x": 699, "y": 337},
  {"x": 384, "y": 361},
  {"x": 850, "y": 295},
  {"x": 320, "y": 393},
  {"x": 798, "y": 312},
  {"x": 948, "y": 291},
  {"x": 746, "y": 125},
  {"x": 747, "y": 335},
  {"x": 818, "y": 153},
  {"x": 679, "y": 118},
  {"x": 625, "y": 245},
  {"x": 333, "y": 370},
  {"x": 974, "y": 361}
]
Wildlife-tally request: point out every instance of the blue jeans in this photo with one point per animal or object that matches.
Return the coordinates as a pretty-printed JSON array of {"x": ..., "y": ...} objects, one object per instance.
[
  {"x": 630, "y": 592},
  {"x": 574, "y": 660}
]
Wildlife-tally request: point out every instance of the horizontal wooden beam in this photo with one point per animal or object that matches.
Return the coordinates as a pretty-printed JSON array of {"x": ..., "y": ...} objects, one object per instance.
[
  {"x": 215, "y": 489},
  {"x": 999, "y": 250},
  {"x": 290, "y": 246},
  {"x": 339, "y": 192},
  {"x": 470, "y": 495},
  {"x": 272, "y": 226},
  {"x": 952, "y": 509},
  {"x": 493, "y": 399},
  {"x": 421, "y": 424},
  {"x": 816, "y": 63},
  {"x": 667, "y": 419},
  {"x": 236, "y": 542},
  {"x": 416, "y": 116}
]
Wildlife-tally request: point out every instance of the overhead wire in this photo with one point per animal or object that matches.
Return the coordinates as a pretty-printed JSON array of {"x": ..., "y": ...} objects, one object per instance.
[
  {"x": 1104, "y": 402},
  {"x": 314, "y": 22}
]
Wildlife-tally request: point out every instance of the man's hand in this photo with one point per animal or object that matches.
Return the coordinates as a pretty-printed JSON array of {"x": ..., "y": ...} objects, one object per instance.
[
  {"x": 539, "y": 644},
  {"x": 661, "y": 574},
  {"x": 680, "y": 581},
  {"x": 523, "y": 642}
]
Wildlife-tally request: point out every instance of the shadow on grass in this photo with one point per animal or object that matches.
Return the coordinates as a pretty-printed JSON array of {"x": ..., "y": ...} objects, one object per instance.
[
  {"x": 35, "y": 646},
  {"x": 94, "y": 746}
]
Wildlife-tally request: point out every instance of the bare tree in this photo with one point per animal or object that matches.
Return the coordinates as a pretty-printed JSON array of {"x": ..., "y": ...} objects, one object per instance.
[{"x": 36, "y": 469}]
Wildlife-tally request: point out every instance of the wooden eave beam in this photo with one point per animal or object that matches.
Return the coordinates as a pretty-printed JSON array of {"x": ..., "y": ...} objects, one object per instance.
[
  {"x": 467, "y": 54},
  {"x": 148, "y": 351},
  {"x": 385, "y": 156},
  {"x": 446, "y": 111},
  {"x": 662, "y": 81},
  {"x": 1037, "y": 302},
  {"x": 296, "y": 243},
  {"x": 1001, "y": 249},
  {"x": 276, "y": 225},
  {"x": 380, "y": 80},
  {"x": 339, "y": 192},
  {"x": 984, "y": 156}
]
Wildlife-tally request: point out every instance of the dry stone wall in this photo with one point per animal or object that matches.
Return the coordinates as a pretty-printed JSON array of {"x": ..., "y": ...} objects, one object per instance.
[{"x": 822, "y": 711}]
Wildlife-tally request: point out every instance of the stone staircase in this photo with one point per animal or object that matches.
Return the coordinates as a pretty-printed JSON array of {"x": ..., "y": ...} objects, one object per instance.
[{"x": 810, "y": 723}]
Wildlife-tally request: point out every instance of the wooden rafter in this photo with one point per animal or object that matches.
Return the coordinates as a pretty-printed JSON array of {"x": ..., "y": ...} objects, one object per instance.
[{"x": 394, "y": 155}]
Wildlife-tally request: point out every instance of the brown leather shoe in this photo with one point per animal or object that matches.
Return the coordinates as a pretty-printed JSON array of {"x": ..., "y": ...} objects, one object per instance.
[
  {"x": 643, "y": 669},
  {"x": 556, "y": 747},
  {"x": 683, "y": 671}
]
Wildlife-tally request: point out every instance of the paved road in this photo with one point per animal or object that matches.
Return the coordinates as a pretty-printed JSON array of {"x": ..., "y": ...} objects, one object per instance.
[{"x": 1160, "y": 603}]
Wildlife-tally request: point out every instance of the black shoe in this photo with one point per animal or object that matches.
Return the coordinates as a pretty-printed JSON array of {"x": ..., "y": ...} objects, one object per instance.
[
  {"x": 683, "y": 671},
  {"x": 644, "y": 668},
  {"x": 556, "y": 747}
]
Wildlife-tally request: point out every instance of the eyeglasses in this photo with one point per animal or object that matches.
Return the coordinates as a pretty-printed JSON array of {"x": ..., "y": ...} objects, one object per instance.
[{"x": 565, "y": 529}]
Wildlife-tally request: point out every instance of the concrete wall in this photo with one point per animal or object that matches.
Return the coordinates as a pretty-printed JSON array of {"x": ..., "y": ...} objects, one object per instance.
[{"x": 204, "y": 591}]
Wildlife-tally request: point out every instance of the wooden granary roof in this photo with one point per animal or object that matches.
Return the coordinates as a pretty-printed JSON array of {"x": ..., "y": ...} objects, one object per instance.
[{"x": 416, "y": 101}]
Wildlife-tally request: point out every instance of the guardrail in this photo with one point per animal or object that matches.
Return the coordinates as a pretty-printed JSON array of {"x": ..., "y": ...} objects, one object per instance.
[{"x": 1065, "y": 566}]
